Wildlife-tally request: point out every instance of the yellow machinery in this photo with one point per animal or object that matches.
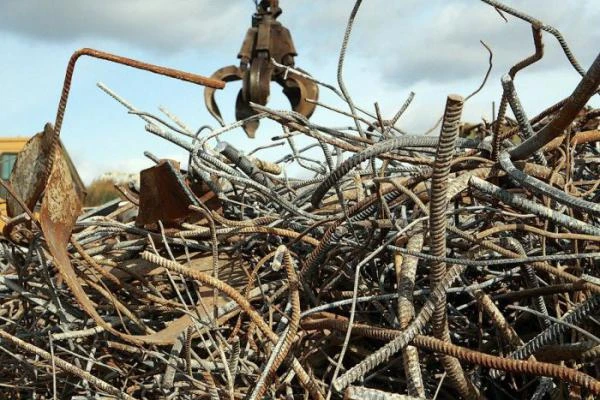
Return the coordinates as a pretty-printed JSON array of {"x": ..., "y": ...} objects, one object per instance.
[{"x": 9, "y": 150}]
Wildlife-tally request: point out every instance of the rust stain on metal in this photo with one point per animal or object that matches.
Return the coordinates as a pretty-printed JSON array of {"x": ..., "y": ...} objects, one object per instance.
[
  {"x": 164, "y": 196},
  {"x": 61, "y": 205},
  {"x": 60, "y": 208},
  {"x": 63, "y": 199},
  {"x": 28, "y": 176}
]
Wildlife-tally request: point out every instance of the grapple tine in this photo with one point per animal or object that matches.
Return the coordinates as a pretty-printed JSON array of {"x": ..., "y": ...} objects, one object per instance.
[
  {"x": 257, "y": 82},
  {"x": 230, "y": 73},
  {"x": 243, "y": 111},
  {"x": 297, "y": 89}
]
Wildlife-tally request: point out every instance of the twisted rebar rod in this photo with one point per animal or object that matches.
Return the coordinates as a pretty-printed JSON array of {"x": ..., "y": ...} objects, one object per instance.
[
  {"x": 340, "y": 69},
  {"x": 532, "y": 207},
  {"x": 437, "y": 235},
  {"x": 486, "y": 360},
  {"x": 281, "y": 350},
  {"x": 381, "y": 148},
  {"x": 519, "y": 112},
  {"x": 531, "y": 279},
  {"x": 585, "y": 89},
  {"x": 406, "y": 269},
  {"x": 550, "y": 29},
  {"x": 539, "y": 53},
  {"x": 384, "y": 353},
  {"x": 543, "y": 189},
  {"x": 244, "y": 304},
  {"x": 552, "y": 333}
]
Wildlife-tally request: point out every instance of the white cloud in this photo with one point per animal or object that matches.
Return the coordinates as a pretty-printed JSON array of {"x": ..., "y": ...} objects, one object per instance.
[
  {"x": 162, "y": 25},
  {"x": 395, "y": 47},
  {"x": 407, "y": 41}
]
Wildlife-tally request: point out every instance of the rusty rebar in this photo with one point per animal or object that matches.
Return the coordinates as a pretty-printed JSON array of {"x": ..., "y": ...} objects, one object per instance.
[
  {"x": 437, "y": 235},
  {"x": 235, "y": 277}
]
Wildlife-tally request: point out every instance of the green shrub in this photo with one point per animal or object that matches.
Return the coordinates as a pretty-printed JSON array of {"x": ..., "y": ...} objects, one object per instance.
[{"x": 100, "y": 191}]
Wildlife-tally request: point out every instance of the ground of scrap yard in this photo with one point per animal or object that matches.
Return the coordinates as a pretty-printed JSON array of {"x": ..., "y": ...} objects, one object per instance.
[{"x": 355, "y": 260}]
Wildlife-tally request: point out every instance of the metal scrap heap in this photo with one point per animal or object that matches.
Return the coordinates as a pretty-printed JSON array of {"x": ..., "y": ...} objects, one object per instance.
[{"x": 394, "y": 266}]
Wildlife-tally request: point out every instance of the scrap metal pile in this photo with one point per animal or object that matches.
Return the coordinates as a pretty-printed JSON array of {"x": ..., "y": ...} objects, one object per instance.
[{"x": 395, "y": 266}]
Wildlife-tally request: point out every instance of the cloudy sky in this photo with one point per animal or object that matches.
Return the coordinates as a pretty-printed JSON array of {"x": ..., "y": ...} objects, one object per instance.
[{"x": 431, "y": 48}]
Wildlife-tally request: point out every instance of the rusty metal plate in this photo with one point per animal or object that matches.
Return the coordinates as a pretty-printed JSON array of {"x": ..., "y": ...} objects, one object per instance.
[
  {"x": 28, "y": 176},
  {"x": 164, "y": 196},
  {"x": 61, "y": 204},
  {"x": 60, "y": 207}
]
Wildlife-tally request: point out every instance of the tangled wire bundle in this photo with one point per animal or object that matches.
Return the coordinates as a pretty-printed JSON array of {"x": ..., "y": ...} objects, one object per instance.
[{"x": 396, "y": 266}]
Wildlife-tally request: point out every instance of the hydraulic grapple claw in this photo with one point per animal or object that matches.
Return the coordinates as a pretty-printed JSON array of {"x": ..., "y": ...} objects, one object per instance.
[{"x": 267, "y": 39}]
